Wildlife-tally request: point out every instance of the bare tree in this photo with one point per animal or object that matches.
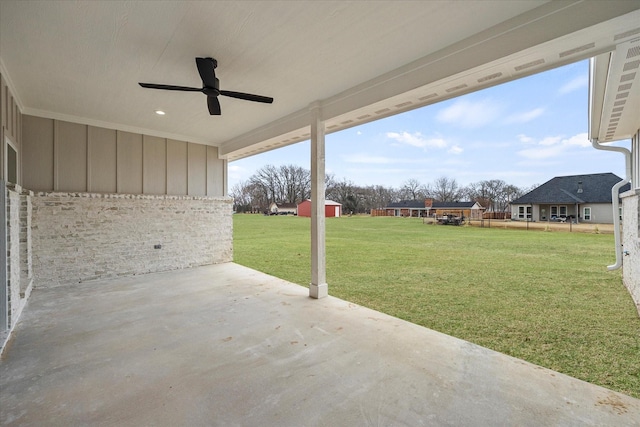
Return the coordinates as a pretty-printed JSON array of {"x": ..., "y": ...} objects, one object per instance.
[
  {"x": 292, "y": 184},
  {"x": 410, "y": 189},
  {"x": 241, "y": 197},
  {"x": 446, "y": 190},
  {"x": 378, "y": 196},
  {"x": 286, "y": 184},
  {"x": 344, "y": 192},
  {"x": 511, "y": 192},
  {"x": 493, "y": 194}
]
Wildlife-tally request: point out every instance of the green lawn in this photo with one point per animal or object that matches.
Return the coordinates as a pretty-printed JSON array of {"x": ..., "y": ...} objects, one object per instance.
[{"x": 545, "y": 297}]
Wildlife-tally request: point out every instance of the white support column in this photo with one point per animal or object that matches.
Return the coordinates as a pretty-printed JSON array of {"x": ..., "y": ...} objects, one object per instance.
[{"x": 318, "y": 287}]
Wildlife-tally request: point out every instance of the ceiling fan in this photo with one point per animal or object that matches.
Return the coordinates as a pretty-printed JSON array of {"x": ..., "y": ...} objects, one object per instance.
[{"x": 210, "y": 87}]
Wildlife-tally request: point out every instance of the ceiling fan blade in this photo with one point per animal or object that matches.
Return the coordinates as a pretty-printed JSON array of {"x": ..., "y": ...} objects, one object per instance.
[
  {"x": 206, "y": 70},
  {"x": 247, "y": 96},
  {"x": 214, "y": 105},
  {"x": 210, "y": 87},
  {"x": 170, "y": 87}
]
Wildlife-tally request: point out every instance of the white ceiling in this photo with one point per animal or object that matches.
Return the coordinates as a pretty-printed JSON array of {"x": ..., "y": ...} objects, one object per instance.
[{"x": 81, "y": 60}]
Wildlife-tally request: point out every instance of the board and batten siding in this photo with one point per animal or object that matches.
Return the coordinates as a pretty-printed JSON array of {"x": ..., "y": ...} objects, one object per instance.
[
  {"x": 10, "y": 124},
  {"x": 70, "y": 157}
]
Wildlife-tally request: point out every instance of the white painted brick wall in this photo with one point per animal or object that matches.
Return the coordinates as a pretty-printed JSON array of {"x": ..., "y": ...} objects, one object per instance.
[
  {"x": 13, "y": 253},
  {"x": 631, "y": 244},
  {"x": 26, "y": 272},
  {"x": 83, "y": 236}
]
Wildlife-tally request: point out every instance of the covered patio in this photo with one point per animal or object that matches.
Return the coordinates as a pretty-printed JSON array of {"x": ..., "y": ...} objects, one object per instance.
[
  {"x": 226, "y": 345},
  {"x": 115, "y": 215}
]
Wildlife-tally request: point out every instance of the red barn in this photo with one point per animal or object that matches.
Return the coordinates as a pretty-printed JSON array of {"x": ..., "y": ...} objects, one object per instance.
[{"x": 331, "y": 208}]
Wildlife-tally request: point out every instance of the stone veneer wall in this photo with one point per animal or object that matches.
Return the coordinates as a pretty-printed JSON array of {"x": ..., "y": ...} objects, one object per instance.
[
  {"x": 13, "y": 254},
  {"x": 84, "y": 236},
  {"x": 19, "y": 271},
  {"x": 631, "y": 244},
  {"x": 26, "y": 271}
]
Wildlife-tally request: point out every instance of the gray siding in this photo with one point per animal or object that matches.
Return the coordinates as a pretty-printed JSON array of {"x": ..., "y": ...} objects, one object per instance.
[
  {"x": 176, "y": 167},
  {"x": 102, "y": 153},
  {"x": 38, "y": 157},
  {"x": 71, "y": 157},
  {"x": 197, "y": 170},
  {"x": 129, "y": 163},
  {"x": 600, "y": 213},
  {"x": 216, "y": 173},
  {"x": 10, "y": 124},
  {"x": 154, "y": 165}
]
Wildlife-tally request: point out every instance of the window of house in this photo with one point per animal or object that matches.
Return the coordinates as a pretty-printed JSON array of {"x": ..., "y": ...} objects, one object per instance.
[
  {"x": 554, "y": 211},
  {"x": 11, "y": 163},
  {"x": 563, "y": 211},
  {"x": 529, "y": 210},
  {"x": 521, "y": 212},
  {"x": 586, "y": 214}
]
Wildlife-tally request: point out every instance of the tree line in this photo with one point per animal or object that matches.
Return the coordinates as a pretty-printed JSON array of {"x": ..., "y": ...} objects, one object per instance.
[{"x": 292, "y": 184}]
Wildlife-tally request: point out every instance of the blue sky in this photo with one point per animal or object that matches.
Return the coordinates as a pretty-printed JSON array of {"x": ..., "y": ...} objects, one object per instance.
[{"x": 524, "y": 132}]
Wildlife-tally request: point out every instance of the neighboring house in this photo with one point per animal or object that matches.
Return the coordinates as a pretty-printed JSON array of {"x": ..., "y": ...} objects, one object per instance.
[
  {"x": 407, "y": 208},
  {"x": 283, "y": 208},
  {"x": 429, "y": 207},
  {"x": 580, "y": 198},
  {"x": 331, "y": 208}
]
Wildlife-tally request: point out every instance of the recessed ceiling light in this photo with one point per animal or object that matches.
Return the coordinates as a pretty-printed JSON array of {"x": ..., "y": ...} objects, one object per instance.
[{"x": 160, "y": 112}]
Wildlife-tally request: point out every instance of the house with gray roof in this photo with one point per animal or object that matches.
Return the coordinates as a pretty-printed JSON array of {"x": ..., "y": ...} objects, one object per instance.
[{"x": 579, "y": 198}]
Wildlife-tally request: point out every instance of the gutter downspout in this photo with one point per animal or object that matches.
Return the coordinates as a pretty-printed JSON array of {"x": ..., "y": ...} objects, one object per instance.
[{"x": 615, "y": 196}]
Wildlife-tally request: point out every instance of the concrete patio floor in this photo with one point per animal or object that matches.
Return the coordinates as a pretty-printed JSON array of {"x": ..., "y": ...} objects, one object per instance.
[{"x": 225, "y": 345}]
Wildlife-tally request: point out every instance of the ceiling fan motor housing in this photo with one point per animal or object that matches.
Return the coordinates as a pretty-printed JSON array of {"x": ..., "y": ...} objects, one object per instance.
[{"x": 212, "y": 91}]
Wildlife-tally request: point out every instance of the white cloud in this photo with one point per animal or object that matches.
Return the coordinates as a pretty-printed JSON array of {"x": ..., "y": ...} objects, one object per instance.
[
  {"x": 358, "y": 133},
  {"x": 416, "y": 139},
  {"x": 455, "y": 150},
  {"x": 581, "y": 140},
  {"x": 550, "y": 140},
  {"x": 542, "y": 153},
  {"x": 524, "y": 117},
  {"x": 526, "y": 139},
  {"x": 575, "y": 84},
  {"x": 554, "y": 146},
  {"x": 470, "y": 114}
]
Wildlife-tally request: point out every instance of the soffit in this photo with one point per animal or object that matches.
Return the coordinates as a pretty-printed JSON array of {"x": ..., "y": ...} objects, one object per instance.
[{"x": 615, "y": 93}]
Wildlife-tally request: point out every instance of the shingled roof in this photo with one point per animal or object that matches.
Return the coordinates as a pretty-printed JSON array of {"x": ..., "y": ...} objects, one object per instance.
[
  {"x": 419, "y": 204},
  {"x": 407, "y": 204},
  {"x": 453, "y": 205},
  {"x": 592, "y": 188}
]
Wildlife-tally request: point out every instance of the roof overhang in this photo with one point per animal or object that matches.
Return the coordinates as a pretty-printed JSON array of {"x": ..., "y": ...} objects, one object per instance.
[
  {"x": 614, "y": 98},
  {"x": 547, "y": 37},
  {"x": 356, "y": 61}
]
